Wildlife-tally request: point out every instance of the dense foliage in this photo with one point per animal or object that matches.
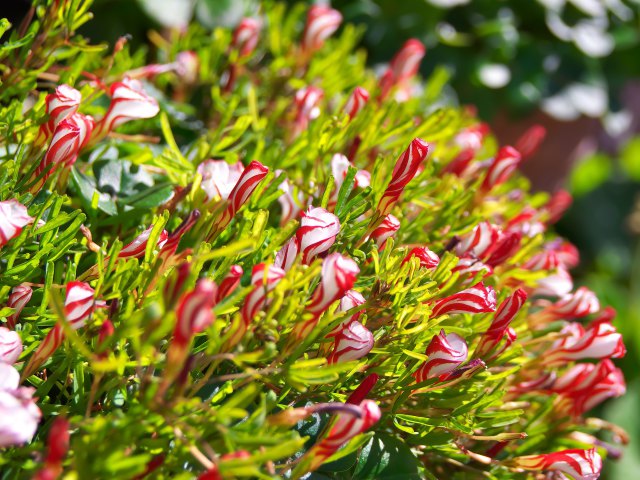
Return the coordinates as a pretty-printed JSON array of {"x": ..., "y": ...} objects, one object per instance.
[{"x": 255, "y": 258}]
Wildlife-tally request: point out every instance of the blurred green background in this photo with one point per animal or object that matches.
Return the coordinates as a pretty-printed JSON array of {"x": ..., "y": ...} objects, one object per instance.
[{"x": 571, "y": 65}]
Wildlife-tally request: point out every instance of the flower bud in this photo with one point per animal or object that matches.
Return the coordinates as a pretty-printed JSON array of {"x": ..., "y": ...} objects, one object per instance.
[
  {"x": 344, "y": 429},
  {"x": 19, "y": 297},
  {"x": 322, "y": 22},
  {"x": 246, "y": 36},
  {"x": 558, "y": 204},
  {"x": 173, "y": 239},
  {"x": 404, "y": 171},
  {"x": 339, "y": 167},
  {"x": 350, "y": 299},
  {"x": 507, "y": 245},
  {"x": 307, "y": 102},
  {"x": 287, "y": 254},
  {"x": 195, "y": 311},
  {"x": 480, "y": 242},
  {"x": 445, "y": 352},
  {"x": 530, "y": 141},
  {"x": 187, "y": 66},
  {"x": 60, "y": 104},
  {"x": 428, "y": 259},
  {"x": 352, "y": 342},
  {"x": 545, "y": 260},
  {"x": 338, "y": 275},
  {"x": 356, "y": 102},
  {"x": 503, "y": 165},
  {"x": 477, "y": 299},
  {"x": 129, "y": 102},
  {"x": 599, "y": 340},
  {"x": 219, "y": 178},
  {"x": 575, "y": 305},
  {"x": 264, "y": 279},
  {"x": 19, "y": 414},
  {"x": 558, "y": 284},
  {"x": 472, "y": 137},
  {"x": 469, "y": 267},
  {"x": 365, "y": 387},
  {"x": 527, "y": 223},
  {"x": 10, "y": 346},
  {"x": 567, "y": 253},
  {"x": 138, "y": 246},
  {"x": 247, "y": 183},
  {"x": 404, "y": 65},
  {"x": 174, "y": 284},
  {"x": 586, "y": 385},
  {"x": 230, "y": 282},
  {"x": 317, "y": 232},
  {"x": 460, "y": 163},
  {"x": 578, "y": 464},
  {"x": 389, "y": 226},
  {"x": 79, "y": 304},
  {"x": 58, "y": 441},
  {"x": 290, "y": 206},
  {"x": 506, "y": 312}
]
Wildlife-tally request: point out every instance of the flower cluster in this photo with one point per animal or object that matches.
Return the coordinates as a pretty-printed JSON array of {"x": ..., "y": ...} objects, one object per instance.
[{"x": 301, "y": 266}]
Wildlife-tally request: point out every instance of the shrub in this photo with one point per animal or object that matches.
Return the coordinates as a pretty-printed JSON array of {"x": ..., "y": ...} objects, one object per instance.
[{"x": 245, "y": 261}]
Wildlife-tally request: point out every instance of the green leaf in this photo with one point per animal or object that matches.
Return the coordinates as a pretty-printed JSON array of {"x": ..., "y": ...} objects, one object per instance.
[{"x": 386, "y": 457}]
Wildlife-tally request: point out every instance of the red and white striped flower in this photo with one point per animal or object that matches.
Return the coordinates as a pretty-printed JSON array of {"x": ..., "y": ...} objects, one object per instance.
[
  {"x": 545, "y": 260},
  {"x": 578, "y": 464},
  {"x": 246, "y": 36},
  {"x": 174, "y": 284},
  {"x": 79, "y": 304},
  {"x": 338, "y": 276},
  {"x": 469, "y": 267},
  {"x": 230, "y": 282},
  {"x": 527, "y": 223},
  {"x": 10, "y": 346},
  {"x": 195, "y": 312},
  {"x": 137, "y": 247},
  {"x": 507, "y": 245},
  {"x": 13, "y": 218},
  {"x": 287, "y": 254},
  {"x": 428, "y": 258},
  {"x": 404, "y": 171},
  {"x": 173, "y": 239},
  {"x": 503, "y": 165},
  {"x": 264, "y": 279},
  {"x": 19, "y": 414},
  {"x": 187, "y": 66},
  {"x": 219, "y": 178},
  {"x": 339, "y": 167},
  {"x": 129, "y": 102},
  {"x": 19, "y": 297},
  {"x": 307, "y": 102},
  {"x": 480, "y": 242},
  {"x": 60, "y": 104},
  {"x": 290, "y": 206},
  {"x": 445, "y": 352},
  {"x": 57, "y": 448},
  {"x": 352, "y": 342},
  {"x": 558, "y": 284},
  {"x": 356, "y": 101},
  {"x": 459, "y": 164},
  {"x": 351, "y": 299},
  {"x": 69, "y": 137},
  {"x": 472, "y": 137},
  {"x": 599, "y": 340},
  {"x": 344, "y": 429},
  {"x": 586, "y": 385},
  {"x": 557, "y": 205},
  {"x": 389, "y": 226},
  {"x": 322, "y": 22},
  {"x": 531, "y": 140},
  {"x": 506, "y": 312},
  {"x": 404, "y": 65},
  {"x": 478, "y": 299},
  {"x": 247, "y": 183},
  {"x": 575, "y": 305},
  {"x": 317, "y": 232}
]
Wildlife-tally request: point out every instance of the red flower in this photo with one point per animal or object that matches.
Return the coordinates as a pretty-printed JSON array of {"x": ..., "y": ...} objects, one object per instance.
[
  {"x": 506, "y": 312},
  {"x": 138, "y": 246},
  {"x": 507, "y": 245},
  {"x": 530, "y": 141},
  {"x": 503, "y": 165},
  {"x": 13, "y": 218},
  {"x": 428, "y": 259},
  {"x": 195, "y": 311},
  {"x": 246, "y": 36},
  {"x": 307, "y": 102},
  {"x": 247, "y": 183},
  {"x": 352, "y": 342},
  {"x": 480, "y": 242},
  {"x": 404, "y": 65},
  {"x": 576, "y": 305},
  {"x": 287, "y": 254},
  {"x": 579, "y": 464},
  {"x": 230, "y": 282},
  {"x": 19, "y": 297},
  {"x": 264, "y": 279},
  {"x": 317, "y": 232},
  {"x": 322, "y": 22},
  {"x": 389, "y": 226},
  {"x": 558, "y": 204},
  {"x": 445, "y": 352},
  {"x": 60, "y": 104},
  {"x": 598, "y": 341},
  {"x": 356, "y": 102},
  {"x": 477, "y": 299}
]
